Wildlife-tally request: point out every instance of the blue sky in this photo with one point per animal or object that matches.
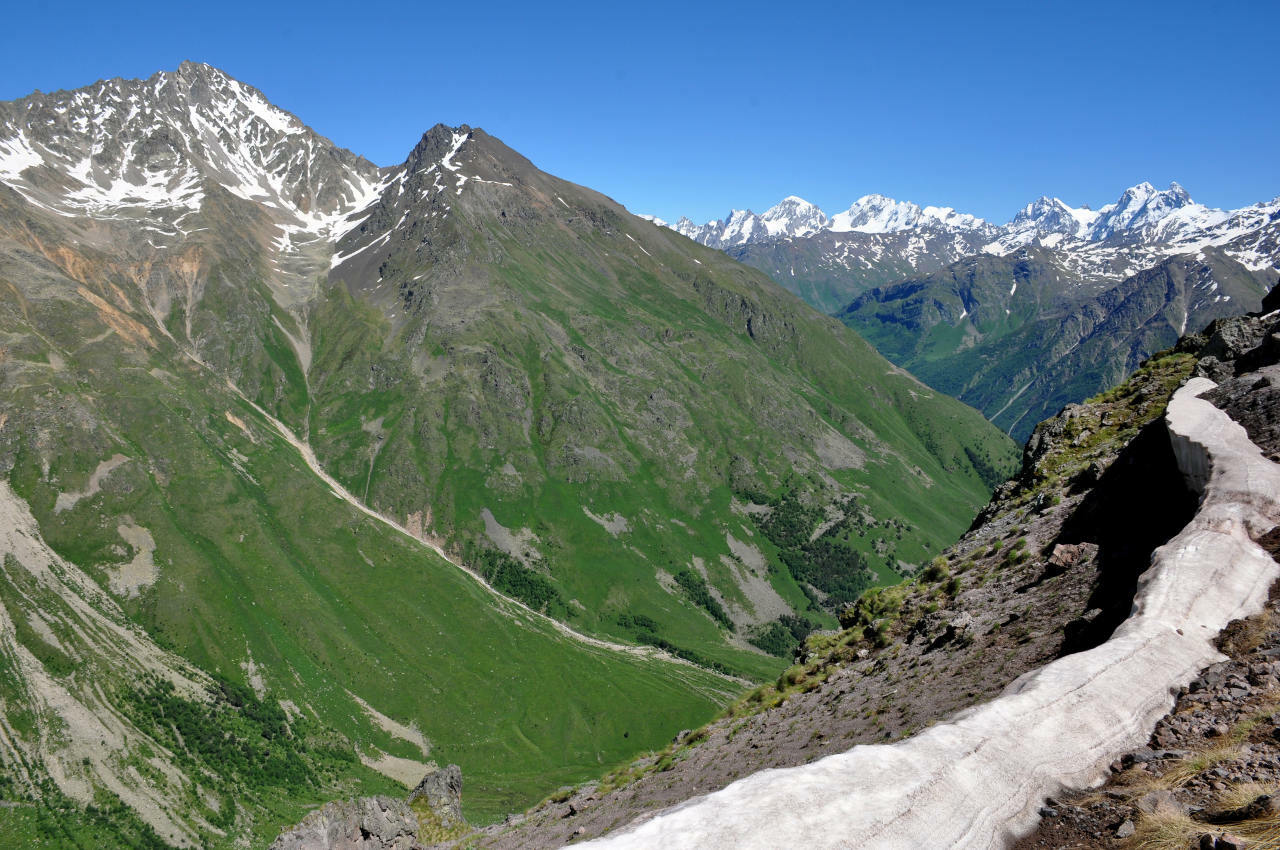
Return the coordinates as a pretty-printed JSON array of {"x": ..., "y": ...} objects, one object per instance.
[{"x": 690, "y": 108}]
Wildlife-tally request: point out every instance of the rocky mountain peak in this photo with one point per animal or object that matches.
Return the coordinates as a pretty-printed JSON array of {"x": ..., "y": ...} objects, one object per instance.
[
  {"x": 877, "y": 214},
  {"x": 438, "y": 142},
  {"x": 1139, "y": 207},
  {"x": 1038, "y": 209},
  {"x": 793, "y": 216},
  {"x": 139, "y": 148}
]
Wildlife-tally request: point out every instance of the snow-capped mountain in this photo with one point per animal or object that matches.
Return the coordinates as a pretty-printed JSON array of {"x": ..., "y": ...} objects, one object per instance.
[
  {"x": 878, "y": 214},
  {"x": 792, "y": 217},
  {"x": 1045, "y": 220},
  {"x": 878, "y": 239},
  {"x": 1139, "y": 209},
  {"x": 1141, "y": 215},
  {"x": 154, "y": 148}
]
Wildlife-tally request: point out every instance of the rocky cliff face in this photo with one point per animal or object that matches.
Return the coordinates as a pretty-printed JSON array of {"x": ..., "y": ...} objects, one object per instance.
[
  {"x": 432, "y": 813},
  {"x": 371, "y": 823}
]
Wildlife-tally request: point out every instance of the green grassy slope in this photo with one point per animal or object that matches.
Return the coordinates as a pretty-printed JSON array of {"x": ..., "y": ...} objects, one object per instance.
[
  {"x": 263, "y": 575},
  {"x": 633, "y": 434},
  {"x": 538, "y": 353}
]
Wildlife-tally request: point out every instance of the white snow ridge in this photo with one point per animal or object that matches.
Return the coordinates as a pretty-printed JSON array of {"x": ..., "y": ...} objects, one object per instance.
[{"x": 977, "y": 780}]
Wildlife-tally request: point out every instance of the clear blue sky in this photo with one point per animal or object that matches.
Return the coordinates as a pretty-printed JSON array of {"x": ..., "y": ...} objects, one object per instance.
[{"x": 690, "y": 108}]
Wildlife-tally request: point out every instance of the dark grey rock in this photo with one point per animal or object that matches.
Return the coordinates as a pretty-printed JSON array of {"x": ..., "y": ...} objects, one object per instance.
[
  {"x": 1139, "y": 756},
  {"x": 369, "y": 823}
]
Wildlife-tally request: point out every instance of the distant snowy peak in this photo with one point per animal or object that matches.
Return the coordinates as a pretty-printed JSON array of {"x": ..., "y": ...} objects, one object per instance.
[
  {"x": 122, "y": 147},
  {"x": 1140, "y": 228},
  {"x": 879, "y": 214},
  {"x": 1050, "y": 215},
  {"x": 793, "y": 216},
  {"x": 1139, "y": 208},
  {"x": 1142, "y": 214},
  {"x": 1045, "y": 220}
]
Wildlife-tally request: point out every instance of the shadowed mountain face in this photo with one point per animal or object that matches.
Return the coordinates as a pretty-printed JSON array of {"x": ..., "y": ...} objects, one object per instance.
[{"x": 252, "y": 388}]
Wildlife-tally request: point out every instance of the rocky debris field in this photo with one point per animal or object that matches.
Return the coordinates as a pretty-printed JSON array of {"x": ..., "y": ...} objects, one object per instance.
[{"x": 1209, "y": 776}]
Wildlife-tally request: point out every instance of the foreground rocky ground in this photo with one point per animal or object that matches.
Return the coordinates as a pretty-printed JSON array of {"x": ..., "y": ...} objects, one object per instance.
[{"x": 1210, "y": 775}]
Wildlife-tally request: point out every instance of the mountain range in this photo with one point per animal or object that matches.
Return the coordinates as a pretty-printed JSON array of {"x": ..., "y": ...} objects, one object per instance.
[
  {"x": 1141, "y": 215},
  {"x": 317, "y": 473},
  {"x": 1021, "y": 318}
]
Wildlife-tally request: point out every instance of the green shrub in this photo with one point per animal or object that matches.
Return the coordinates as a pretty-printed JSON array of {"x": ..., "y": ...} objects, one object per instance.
[{"x": 510, "y": 577}]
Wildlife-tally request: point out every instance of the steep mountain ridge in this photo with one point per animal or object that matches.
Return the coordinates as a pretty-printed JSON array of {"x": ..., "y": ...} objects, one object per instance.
[
  {"x": 477, "y": 243},
  {"x": 148, "y": 147}
]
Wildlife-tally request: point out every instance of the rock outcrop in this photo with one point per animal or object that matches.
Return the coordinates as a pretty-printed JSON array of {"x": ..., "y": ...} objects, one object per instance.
[
  {"x": 441, "y": 792},
  {"x": 431, "y": 813},
  {"x": 370, "y": 823}
]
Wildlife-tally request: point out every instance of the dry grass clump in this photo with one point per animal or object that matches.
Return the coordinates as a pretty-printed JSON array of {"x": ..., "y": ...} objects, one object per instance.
[
  {"x": 1244, "y": 636},
  {"x": 1168, "y": 830},
  {"x": 1165, "y": 830}
]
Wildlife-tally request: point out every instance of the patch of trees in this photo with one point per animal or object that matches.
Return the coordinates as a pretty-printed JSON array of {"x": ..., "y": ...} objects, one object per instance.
[
  {"x": 510, "y": 577},
  {"x": 828, "y": 563},
  {"x": 645, "y": 631},
  {"x": 242, "y": 739},
  {"x": 783, "y": 635},
  {"x": 695, "y": 586}
]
